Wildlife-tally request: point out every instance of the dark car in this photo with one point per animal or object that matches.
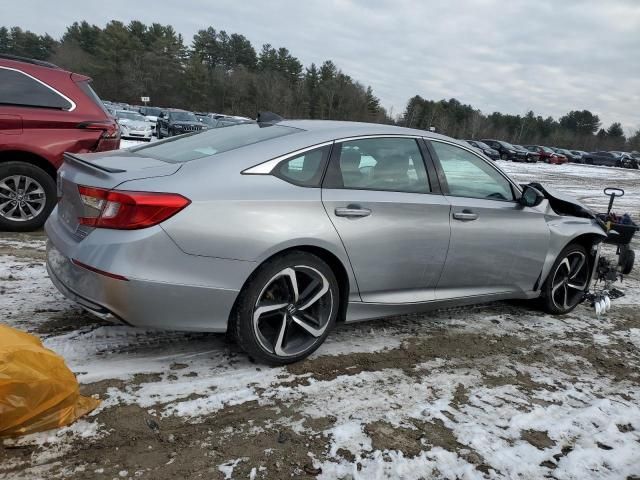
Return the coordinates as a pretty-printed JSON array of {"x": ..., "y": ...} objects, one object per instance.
[
  {"x": 44, "y": 112},
  {"x": 177, "y": 122},
  {"x": 532, "y": 157},
  {"x": 506, "y": 150},
  {"x": 608, "y": 159},
  {"x": 492, "y": 153},
  {"x": 628, "y": 160},
  {"x": 579, "y": 155},
  {"x": 567, "y": 153},
  {"x": 547, "y": 155}
]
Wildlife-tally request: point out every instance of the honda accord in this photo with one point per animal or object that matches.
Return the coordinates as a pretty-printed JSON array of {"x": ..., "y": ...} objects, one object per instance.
[{"x": 275, "y": 231}]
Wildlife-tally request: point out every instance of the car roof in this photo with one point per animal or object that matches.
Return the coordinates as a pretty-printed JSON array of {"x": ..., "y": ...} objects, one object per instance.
[{"x": 332, "y": 129}]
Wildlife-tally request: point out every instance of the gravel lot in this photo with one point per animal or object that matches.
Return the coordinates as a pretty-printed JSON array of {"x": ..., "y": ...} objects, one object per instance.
[{"x": 494, "y": 391}]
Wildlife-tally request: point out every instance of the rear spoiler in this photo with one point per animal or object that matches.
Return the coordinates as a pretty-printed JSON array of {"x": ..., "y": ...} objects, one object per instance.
[{"x": 71, "y": 158}]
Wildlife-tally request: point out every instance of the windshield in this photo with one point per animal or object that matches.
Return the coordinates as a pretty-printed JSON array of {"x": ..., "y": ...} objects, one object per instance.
[
  {"x": 122, "y": 114},
  {"x": 507, "y": 145},
  {"x": 183, "y": 116},
  {"x": 211, "y": 142},
  {"x": 207, "y": 120},
  {"x": 547, "y": 149}
]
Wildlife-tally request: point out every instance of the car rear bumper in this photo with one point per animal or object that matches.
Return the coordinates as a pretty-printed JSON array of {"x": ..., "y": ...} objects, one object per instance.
[{"x": 158, "y": 285}]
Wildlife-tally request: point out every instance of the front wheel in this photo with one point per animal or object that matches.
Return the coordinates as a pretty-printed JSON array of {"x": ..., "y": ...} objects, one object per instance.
[
  {"x": 567, "y": 282},
  {"x": 27, "y": 196},
  {"x": 286, "y": 310},
  {"x": 504, "y": 156}
]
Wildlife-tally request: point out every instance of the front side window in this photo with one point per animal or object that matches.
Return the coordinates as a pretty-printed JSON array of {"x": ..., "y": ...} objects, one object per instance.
[
  {"x": 16, "y": 88},
  {"x": 469, "y": 176},
  {"x": 392, "y": 164},
  {"x": 305, "y": 169}
]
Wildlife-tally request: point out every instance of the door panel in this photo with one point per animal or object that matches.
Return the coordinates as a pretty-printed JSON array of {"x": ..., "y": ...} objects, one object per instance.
[
  {"x": 496, "y": 246},
  {"x": 502, "y": 250},
  {"x": 398, "y": 250},
  {"x": 396, "y": 233}
]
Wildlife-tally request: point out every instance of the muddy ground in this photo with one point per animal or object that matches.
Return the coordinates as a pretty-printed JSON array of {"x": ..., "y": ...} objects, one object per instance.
[{"x": 493, "y": 391}]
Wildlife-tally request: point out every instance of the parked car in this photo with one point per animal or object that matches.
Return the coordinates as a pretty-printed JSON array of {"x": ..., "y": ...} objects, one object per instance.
[
  {"x": 608, "y": 159},
  {"x": 276, "y": 231},
  {"x": 492, "y": 153},
  {"x": 151, "y": 115},
  {"x": 44, "y": 112},
  {"x": 532, "y": 157},
  {"x": 566, "y": 153},
  {"x": 547, "y": 155},
  {"x": 579, "y": 155},
  {"x": 133, "y": 125},
  {"x": 506, "y": 150},
  {"x": 628, "y": 160},
  {"x": 177, "y": 122}
]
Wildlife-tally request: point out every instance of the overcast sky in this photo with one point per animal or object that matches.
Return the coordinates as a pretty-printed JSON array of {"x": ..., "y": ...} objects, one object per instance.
[{"x": 549, "y": 56}]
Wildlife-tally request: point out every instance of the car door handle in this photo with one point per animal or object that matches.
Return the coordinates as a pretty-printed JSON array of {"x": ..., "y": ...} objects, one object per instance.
[
  {"x": 465, "y": 215},
  {"x": 352, "y": 211}
]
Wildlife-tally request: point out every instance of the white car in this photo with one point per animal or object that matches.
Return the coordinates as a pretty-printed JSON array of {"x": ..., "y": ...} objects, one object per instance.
[
  {"x": 151, "y": 114},
  {"x": 133, "y": 125}
]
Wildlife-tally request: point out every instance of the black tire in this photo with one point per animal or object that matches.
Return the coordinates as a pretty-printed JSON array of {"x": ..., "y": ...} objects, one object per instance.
[
  {"x": 626, "y": 260},
  {"x": 241, "y": 322},
  {"x": 48, "y": 184},
  {"x": 503, "y": 156},
  {"x": 550, "y": 301}
]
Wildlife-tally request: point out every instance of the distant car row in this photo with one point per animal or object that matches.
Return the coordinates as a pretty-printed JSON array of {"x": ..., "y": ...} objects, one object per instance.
[
  {"x": 143, "y": 122},
  {"x": 499, "y": 149}
]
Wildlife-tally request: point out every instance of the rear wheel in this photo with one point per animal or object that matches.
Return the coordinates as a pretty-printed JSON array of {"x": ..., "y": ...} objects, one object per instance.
[
  {"x": 27, "y": 196},
  {"x": 286, "y": 310},
  {"x": 567, "y": 281}
]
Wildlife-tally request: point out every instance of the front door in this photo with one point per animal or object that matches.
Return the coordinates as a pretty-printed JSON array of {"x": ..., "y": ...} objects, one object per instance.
[
  {"x": 395, "y": 231},
  {"x": 497, "y": 245}
]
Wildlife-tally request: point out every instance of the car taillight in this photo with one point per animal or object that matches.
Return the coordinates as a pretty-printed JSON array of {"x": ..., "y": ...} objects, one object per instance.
[
  {"x": 110, "y": 138},
  {"x": 124, "y": 210}
]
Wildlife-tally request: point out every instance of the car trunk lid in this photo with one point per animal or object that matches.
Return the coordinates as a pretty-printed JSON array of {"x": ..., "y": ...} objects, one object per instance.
[{"x": 104, "y": 170}]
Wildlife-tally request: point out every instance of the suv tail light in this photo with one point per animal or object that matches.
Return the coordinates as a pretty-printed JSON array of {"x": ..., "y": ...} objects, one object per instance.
[
  {"x": 110, "y": 138},
  {"x": 122, "y": 210}
]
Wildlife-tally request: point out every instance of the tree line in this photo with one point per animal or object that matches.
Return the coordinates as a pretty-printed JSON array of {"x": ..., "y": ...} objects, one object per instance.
[{"x": 222, "y": 72}]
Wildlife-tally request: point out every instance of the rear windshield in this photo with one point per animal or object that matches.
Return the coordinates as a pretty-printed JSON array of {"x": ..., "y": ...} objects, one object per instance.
[
  {"x": 211, "y": 142},
  {"x": 153, "y": 111}
]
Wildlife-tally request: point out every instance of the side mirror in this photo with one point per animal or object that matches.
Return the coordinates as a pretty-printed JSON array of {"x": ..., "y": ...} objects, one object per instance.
[{"x": 531, "y": 197}]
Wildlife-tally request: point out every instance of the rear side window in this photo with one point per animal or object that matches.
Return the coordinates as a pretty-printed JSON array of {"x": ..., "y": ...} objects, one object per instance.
[
  {"x": 211, "y": 142},
  {"x": 17, "y": 88},
  {"x": 305, "y": 169},
  {"x": 93, "y": 96}
]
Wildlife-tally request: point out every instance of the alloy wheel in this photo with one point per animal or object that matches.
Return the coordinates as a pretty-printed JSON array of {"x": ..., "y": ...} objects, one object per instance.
[
  {"x": 22, "y": 198},
  {"x": 293, "y": 311},
  {"x": 570, "y": 280}
]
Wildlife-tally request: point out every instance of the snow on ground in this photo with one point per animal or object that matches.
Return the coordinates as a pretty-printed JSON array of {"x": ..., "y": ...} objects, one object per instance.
[{"x": 495, "y": 391}]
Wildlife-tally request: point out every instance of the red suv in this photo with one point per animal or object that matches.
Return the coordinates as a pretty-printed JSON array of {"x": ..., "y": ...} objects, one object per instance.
[{"x": 44, "y": 112}]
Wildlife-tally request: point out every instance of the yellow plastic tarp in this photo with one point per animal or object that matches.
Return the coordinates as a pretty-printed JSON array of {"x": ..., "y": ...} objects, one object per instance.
[{"x": 37, "y": 390}]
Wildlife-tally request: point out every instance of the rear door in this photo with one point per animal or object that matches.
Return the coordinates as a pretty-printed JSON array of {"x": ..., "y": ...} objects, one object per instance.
[
  {"x": 497, "y": 246},
  {"x": 392, "y": 221}
]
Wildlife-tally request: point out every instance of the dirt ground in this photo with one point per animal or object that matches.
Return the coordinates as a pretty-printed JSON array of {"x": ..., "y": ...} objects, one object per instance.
[{"x": 493, "y": 391}]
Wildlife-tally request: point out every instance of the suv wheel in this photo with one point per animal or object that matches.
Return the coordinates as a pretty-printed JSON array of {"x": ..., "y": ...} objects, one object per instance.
[
  {"x": 27, "y": 196},
  {"x": 286, "y": 310}
]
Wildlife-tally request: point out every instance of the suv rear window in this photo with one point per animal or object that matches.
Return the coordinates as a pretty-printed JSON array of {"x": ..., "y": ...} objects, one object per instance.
[
  {"x": 211, "y": 142},
  {"x": 93, "y": 96},
  {"x": 18, "y": 88}
]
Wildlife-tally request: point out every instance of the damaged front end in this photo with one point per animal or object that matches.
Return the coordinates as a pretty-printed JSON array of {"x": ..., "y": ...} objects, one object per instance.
[{"x": 606, "y": 271}]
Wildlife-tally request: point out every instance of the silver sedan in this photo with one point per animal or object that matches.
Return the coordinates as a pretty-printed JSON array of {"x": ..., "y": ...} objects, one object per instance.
[{"x": 276, "y": 231}]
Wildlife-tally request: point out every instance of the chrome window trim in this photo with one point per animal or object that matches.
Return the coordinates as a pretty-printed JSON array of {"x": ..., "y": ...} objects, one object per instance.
[
  {"x": 381, "y": 135},
  {"x": 265, "y": 168},
  {"x": 511, "y": 182},
  {"x": 73, "y": 104}
]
